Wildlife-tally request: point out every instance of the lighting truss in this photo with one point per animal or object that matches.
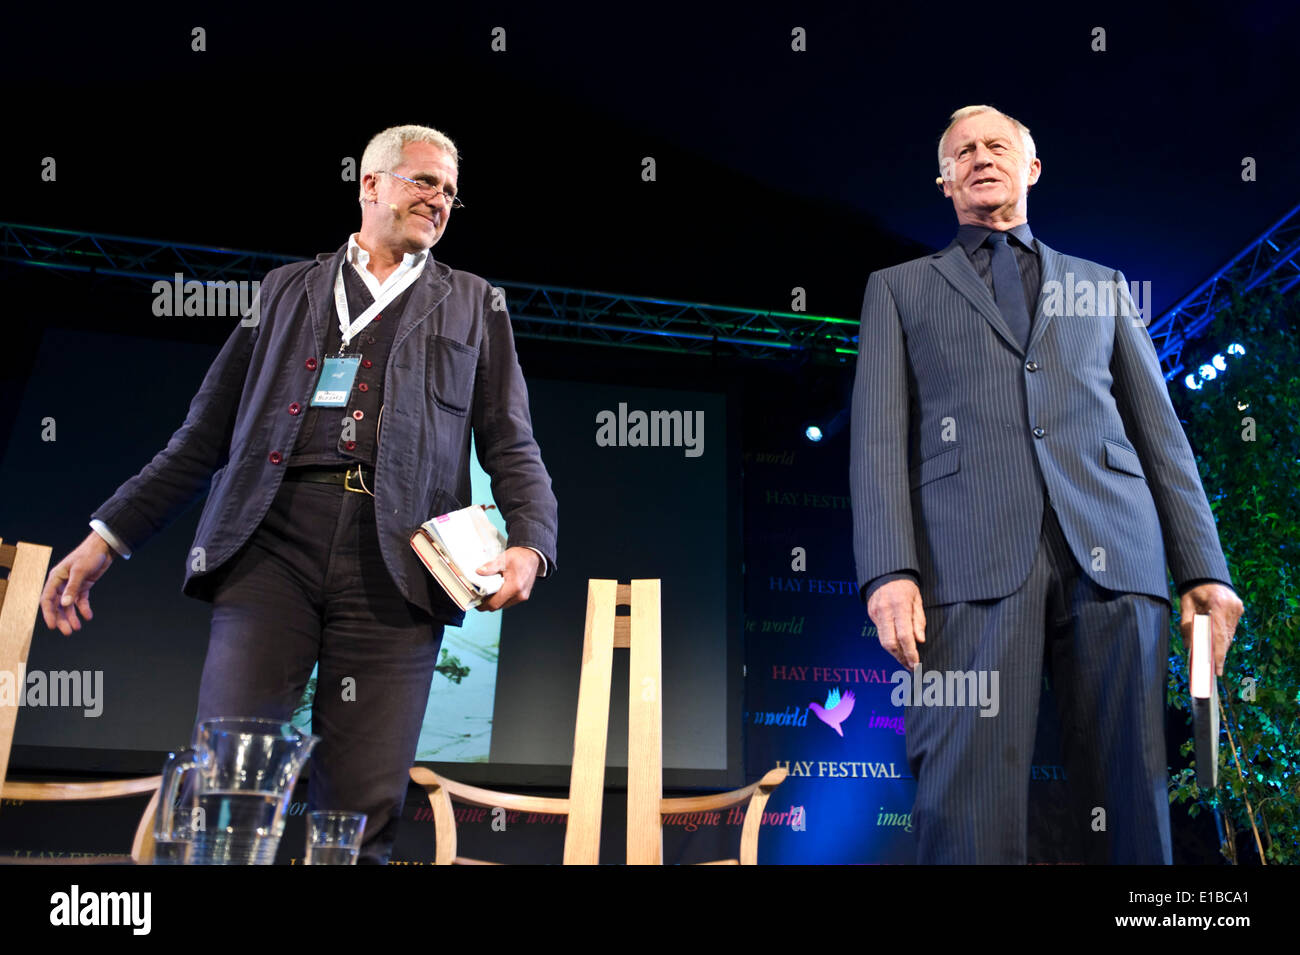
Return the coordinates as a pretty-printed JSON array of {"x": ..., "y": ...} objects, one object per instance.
[
  {"x": 1271, "y": 263},
  {"x": 536, "y": 311},
  {"x": 554, "y": 313}
]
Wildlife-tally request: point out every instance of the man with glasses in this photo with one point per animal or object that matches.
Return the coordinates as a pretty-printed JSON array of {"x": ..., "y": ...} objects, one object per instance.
[{"x": 303, "y": 545}]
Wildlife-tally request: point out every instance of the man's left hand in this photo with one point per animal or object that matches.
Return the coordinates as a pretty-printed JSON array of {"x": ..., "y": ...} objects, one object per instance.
[
  {"x": 519, "y": 566},
  {"x": 1224, "y": 608}
]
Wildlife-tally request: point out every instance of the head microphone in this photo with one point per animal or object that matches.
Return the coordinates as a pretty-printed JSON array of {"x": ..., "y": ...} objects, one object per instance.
[{"x": 376, "y": 202}]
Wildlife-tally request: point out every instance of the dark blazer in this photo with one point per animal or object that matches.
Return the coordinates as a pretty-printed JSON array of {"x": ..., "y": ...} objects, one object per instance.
[
  {"x": 452, "y": 367},
  {"x": 958, "y": 432}
]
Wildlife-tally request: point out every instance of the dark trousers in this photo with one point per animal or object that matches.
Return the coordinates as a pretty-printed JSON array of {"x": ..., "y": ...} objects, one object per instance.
[
  {"x": 1107, "y": 655},
  {"x": 311, "y": 587}
]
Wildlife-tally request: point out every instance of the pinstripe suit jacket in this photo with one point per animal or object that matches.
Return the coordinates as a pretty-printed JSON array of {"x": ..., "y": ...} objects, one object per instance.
[{"x": 960, "y": 435}]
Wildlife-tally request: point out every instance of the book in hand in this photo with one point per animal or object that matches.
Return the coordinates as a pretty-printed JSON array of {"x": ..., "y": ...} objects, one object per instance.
[
  {"x": 1205, "y": 703},
  {"x": 452, "y": 545}
]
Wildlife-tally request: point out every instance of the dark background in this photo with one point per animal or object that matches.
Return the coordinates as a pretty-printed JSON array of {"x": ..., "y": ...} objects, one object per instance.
[{"x": 775, "y": 169}]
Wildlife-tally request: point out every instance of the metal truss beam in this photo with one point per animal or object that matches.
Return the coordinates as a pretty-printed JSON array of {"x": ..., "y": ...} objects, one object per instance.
[
  {"x": 1270, "y": 263},
  {"x": 127, "y": 257},
  {"x": 536, "y": 311},
  {"x": 626, "y": 321}
]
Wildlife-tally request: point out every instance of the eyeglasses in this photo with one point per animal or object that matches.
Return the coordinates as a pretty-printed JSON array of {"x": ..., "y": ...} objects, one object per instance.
[{"x": 428, "y": 190}]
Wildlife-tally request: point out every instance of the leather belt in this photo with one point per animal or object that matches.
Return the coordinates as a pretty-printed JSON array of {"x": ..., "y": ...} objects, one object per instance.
[{"x": 359, "y": 477}]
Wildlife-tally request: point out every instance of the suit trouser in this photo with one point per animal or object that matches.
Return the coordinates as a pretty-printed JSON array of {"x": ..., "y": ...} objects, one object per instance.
[
  {"x": 1106, "y": 654},
  {"x": 311, "y": 586}
]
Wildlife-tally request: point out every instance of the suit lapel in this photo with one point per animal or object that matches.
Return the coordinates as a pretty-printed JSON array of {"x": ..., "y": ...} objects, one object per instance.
[
  {"x": 1053, "y": 268},
  {"x": 320, "y": 295},
  {"x": 954, "y": 265},
  {"x": 427, "y": 293}
]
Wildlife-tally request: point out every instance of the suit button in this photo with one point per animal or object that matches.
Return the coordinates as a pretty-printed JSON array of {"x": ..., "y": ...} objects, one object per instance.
[
  {"x": 362, "y": 386},
  {"x": 351, "y": 445},
  {"x": 358, "y": 414},
  {"x": 274, "y": 457},
  {"x": 1039, "y": 432},
  {"x": 311, "y": 364},
  {"x": 295, "y": 408},
  {"x": 1031, "y": 366},
  {"x": 366, "y": 363}
]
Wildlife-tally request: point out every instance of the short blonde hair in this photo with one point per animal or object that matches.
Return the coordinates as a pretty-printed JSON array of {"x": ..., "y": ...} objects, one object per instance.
[
  {"x": 965, "y": 111},
  {"x": 384, "y": 151}
]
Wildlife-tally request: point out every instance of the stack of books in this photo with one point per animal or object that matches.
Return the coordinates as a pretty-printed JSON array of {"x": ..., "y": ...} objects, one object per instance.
[{"x": 453, "y": 545}]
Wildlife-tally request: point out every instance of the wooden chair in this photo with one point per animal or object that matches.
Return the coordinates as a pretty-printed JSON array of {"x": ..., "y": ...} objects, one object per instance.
[
  {"x": 640, "y": 634},
  {"x": 20, "y": 595}
]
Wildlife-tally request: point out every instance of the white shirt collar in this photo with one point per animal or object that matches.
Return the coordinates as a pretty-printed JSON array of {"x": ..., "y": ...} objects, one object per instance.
[{"x": 360, "y": 260}]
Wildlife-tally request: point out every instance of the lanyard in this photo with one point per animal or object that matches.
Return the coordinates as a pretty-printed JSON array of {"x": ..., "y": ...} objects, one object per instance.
[{"x": 406, "y": 274}]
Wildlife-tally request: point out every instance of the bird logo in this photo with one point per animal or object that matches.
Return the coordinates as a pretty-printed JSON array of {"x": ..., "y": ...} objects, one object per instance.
[{"x": 836, "y": 710}]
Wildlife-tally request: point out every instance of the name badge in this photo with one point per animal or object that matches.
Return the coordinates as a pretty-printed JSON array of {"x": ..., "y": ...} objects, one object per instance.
[{"x": 335, "y": 383}]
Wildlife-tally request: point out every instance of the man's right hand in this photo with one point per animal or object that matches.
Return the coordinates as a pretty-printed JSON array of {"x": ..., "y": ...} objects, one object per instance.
[
  {"x": 896, "y": 611},
  {"x": 67, "y": 589}
]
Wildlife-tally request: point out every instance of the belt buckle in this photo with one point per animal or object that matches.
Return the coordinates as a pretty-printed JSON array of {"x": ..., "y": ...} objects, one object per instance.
[{"x": 347, "y": 481}]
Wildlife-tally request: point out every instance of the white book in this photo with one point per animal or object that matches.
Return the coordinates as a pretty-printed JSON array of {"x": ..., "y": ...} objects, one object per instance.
[
  {"x": 1202, "y": 658},
  {"x": 452, "y": 546},
  {"x": 1205, "y": 704}
]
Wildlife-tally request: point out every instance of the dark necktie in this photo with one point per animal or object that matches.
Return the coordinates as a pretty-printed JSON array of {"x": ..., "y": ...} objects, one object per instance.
[{"x": 1007, "y": 289}]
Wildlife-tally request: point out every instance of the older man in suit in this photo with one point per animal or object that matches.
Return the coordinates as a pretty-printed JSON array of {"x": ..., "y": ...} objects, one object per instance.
[
  {"x": 1019, "y": 482},
  {"x": 303, "y": 544}
]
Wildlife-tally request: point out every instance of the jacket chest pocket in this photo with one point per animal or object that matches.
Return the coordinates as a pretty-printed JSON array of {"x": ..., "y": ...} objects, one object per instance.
[{"x": 450, "y": 369}]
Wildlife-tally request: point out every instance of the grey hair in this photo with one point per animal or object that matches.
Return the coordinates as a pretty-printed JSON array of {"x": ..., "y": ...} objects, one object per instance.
[
  {"x": 965, "y": 111},
  {"x": 384, "y": 151}
]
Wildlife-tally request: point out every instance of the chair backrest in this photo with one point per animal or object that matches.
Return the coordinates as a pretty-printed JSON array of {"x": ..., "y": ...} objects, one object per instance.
[
  {"x": 20, "y": 597},
  {"x": 645, "y": 725},
  {"x": 639, "y": 632}
]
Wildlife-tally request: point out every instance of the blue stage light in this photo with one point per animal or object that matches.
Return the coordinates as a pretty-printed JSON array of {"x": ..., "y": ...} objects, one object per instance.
[
  {"x": 1207, "y": 372},
  {"x": 1235, "y": 349},
  {"x": 1191, "y": 381},
  {"x": 813, "y": 433},
  {"x": 1219, "y": 362}
]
